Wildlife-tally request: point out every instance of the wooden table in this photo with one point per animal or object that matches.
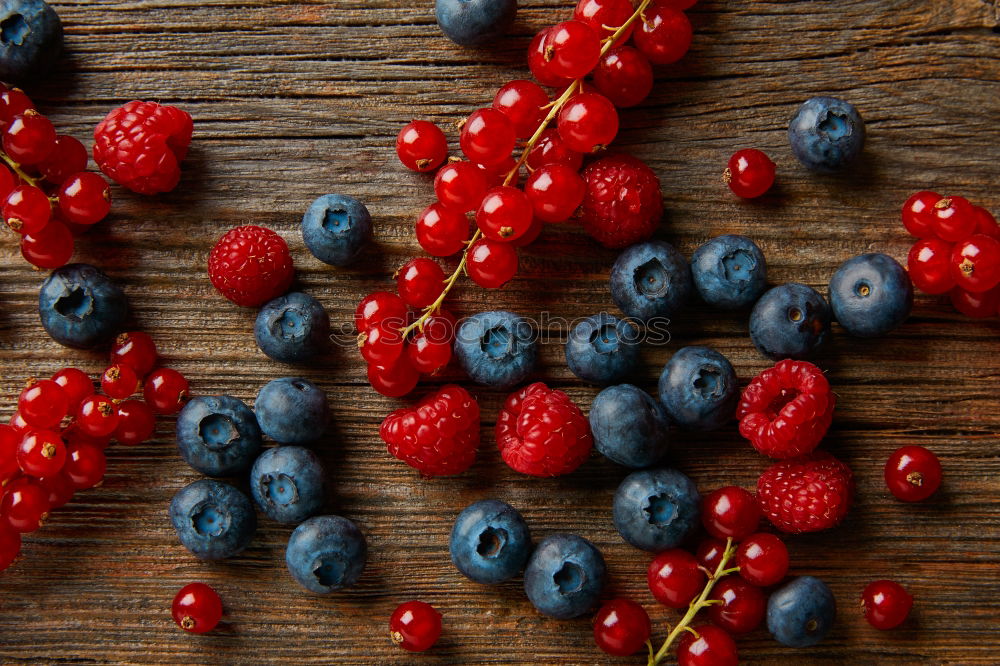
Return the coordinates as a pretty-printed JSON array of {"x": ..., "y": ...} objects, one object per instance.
[{"x": 294, "y": 100}]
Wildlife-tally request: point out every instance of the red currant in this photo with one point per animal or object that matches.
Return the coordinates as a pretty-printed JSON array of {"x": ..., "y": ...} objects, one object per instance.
[
  {"x": 396, "y": 380},
  {"x": 119, "y": 381},
  {"x": 76, "y": 386},
  {"x": 985, "y": 222},
  {"x": 381, "y": 344},
  {"x": 13, "y": 102},
  {"x": 605, "y": 15},
  {"x": 73, "y": 435},
  {"x": 929, "y": 265},
  {"x": 621, "y": 627},
  {"x": 762, "y": 559},
  {"x": 136, "y": 350},
  {"x": 680, "y": 5},
  {"x": 709, "y": 553},
  {"x": 886, "y": 604},
  {"x": 415, "y": 626},
  {"x": 25, "y": 505},
  {"x": 197, "y": 608},
  {"x": 97, "y": 415},
  {"x": 730, "y": 512},
  {"x": 912, "y": 473},
  {"x": 496, "y": 174},
  {"x": 742, "y": 608},
  {"x": 442, "y": 231},
  {"x": 551, "y": 149},
  {"x": 419, "y": 282},
  {"x": 27, "y": 210},
  {"x": 954, "y": 218},
  {"x": 664, "y": 36},
  {"x": 523, "y": 102},
  {"x": 487, "y": 137},
  {"x": 505, "y": 214},
  {"x": 10, "y": 441},
  {"x": 68, "y": 157},
  {"x": 674, "y": 578},
  {"x": 43, "y": 403},
  {"x": 460, "y": 187},
  {"x": 18, "y": 423},
  {"x": 918, "y": 213},
  {"x": 136, "y": 422},
  {"x": 975, "y": 263},
  {"x": 430, "y": 349},
  {"x": 59, "y": 488},
  {"x": 491, "y": 264},
  {"x": 588, "y": 122},
  {"x": 532, "y": 234},
  {"x": 540, "y": 65},
  {"x": 707, "y": 646},
  {"x": 624, "y": 76},
  {"x": 8, "y": 181},
  {"x": 85, "y": 466},
  {"x": 979, "y": 306},
  {"x": 29, "y": 138},
  {"x": 749, "y": 173},
  {"x": 555, "y": 192},
  {"x": 41, "y": 453},
  {"x": 165, "y": 390},
  {"x": 49, "y": 248},
  {"x": 421, "y": 146},
  {"x": 571, "y": 49},
  {"x": 85, "y": 198},
  {"x": 10, "y": 547},
  {"x": 379, "y": 306}
]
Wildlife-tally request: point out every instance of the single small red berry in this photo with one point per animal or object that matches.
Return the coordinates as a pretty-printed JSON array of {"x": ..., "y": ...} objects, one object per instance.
[
  {"x": 918, "y": 214},
  {"x": 675, "y": 578},
  {"x": 491, "y": 264},
  {"x": 76, "y": 385},
  {"x": 197, "y": 608},
  {"x": 165, "y": 390},
  {"x": 551, "y": 149},
  {"x": 59, "y": 488},
  {"x": 381, "y": 344},
  {"x": 487, "y": 137},
  {"x": 136, "y": 423},
  {"x": 50, "y": 248},
  {"x": 29, "y": 138},
  {"x": 136, "y": 350},
  {"x": 459, "y": 187},
  {"x": 929, "y": 265},
  {"x": 505, "y": 214},
  {"x": 954, "y": 218},
  {"x": 730, "y": 512},
  {"x": 539, "y": 65},
  {"x": 68, "y": 157},
  {"x": 624, "y": 76},
  {"x": 85, "y": 465},
  {"x": 707, "y": 646},
  {"x": 749, "y": 173},
  {"x": 742, "y": 608},
  {"x": 378, "y": 306},
  {"x": 25, "y": 505},
  {"x": 985, "y": 222},
  {"x": 443, "y": 231},
  {"x": 415, "y": 626},
  {"x": 913, "y": 473},
  {"x": 419, "y": 282},
  {"x": 762, "y": 559},
  {"x": 523, "y": 102},
  {"x": 555, "y": 192},
  {"x": 709, "y": 553},
  {"x": 119, "y": 381},
  {"x": 663, "y": 35},
  {"x": 97, "y": 415},
  {"x": 430, "y": 349},
  {"x": 975, "y": 263},
  {"x": 621, "y": 627},
  {"x": 588, "y": 122},
  {"x": 977, "y": 305},
  {"x": 27, "y": 210},
  {"x": 43, "y": 403},
  {"x": 886, "y": 604},
  {"x": 85, "y": 198},
  {"x": 41, "y": 453},
  {"x": 421, "y": 146},
  {"x": 497, "y": 174},
  {"x": 571, "y": 49},
  {"x": 10, "y": 546},
  {"x": 395, "y": 380},
  {"x": 13, "y": 102},
  {"x": 604, "y": 16}
]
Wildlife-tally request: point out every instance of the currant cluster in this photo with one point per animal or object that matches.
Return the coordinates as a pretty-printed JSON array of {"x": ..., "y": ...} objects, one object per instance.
[
  {"x": 54, "y": 444},
  {"x": 46, "y": 192},
  {"x": 958, "y": 252}
]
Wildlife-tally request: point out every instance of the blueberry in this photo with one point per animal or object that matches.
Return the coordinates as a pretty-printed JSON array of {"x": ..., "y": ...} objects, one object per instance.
[
  {"x": 496, "y": 348},
  {"x": 336, "y": 228},
  {"x": 564, "y": 576},
  {"x": 326, "y": 553},
  {"x": 826, "y": 134},
  {"x": 801, "y": 612},
  {"x": 729, "y": 272},
  {"x": 213, "y": 519},
  {"x": 655, "y": 509},
  {"x": 871, "y": 294},
  {"x": 698, "y": 388},
  {"x": 31, "y": 38},
  {"x": 474, "y": 22},
  {"x": 790, "y": 321},
  {"x": 629, "y": 426},
  {"x": 292, "y": 410},
  {"x": 650, "y": 280},
  {"x": 490, "y": 542},
  {"x": 218, "y": 435},
  {"x": 292, "y": 328},
  {"x": 603, "y": 349},
  {"x": 287, "y": 483},
  {"x": 80, "y": 306}
]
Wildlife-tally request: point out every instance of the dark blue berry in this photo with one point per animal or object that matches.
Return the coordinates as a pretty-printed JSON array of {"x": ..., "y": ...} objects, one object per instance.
[
  {"x": 698, "y": 388},
  {"x": 287, "y": 483},
  {"x": 490, "y": 542},
  {"x": 801, "y": 612},
  {"x": 292, "y": 328},
  {"x": 790, "y": 321},
  {"x": 336, "y": 228},
  {"x": 213, "y": 519},
  {"x": 629, "y": 426},
  {"x": 564, "y": 576},
  {"x": 650, "y": 280},
  {"x": 729, "y": 272},
  {"x": 655, "y": 509},
  {"x": 292, "y": 410},
  {"x": 871, "y": 294},
  {"x": 326, "y": 553},
  {"x": 496, "y": 348},
  {"x": 81, "y": 307},
  {"x": 31, "y": 38},
  {"x": 218, "y": 435},
  {"x": 826, "y": 134},
  {"x": 603, "y": 349},
  {"x": 474, "y": 22}
]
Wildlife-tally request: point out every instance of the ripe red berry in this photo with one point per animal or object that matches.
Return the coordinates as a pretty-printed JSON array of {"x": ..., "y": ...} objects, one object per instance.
[
  {"x": 588, "y": 122},
  {"x": 25, "y": 505},
  {"x": 487, "y": 137},
  {"x": 136, "y": 423},
  {"x": 460, "y": 187},
  {"x": 85, "y": 466},
  {"x": 8, "y": 181},
  {"x": 41, "y": 453},
  {"x": 505, "y": 214},
  {"x": 76, "y": 386},
  {"x": 85, "y": 198},
  {"x": 490, "y": 264},
  {"x": 430, "y": 349},
  {"x": 539, "y": 65},
  {"x": 551, "y": 149},
  {"x": 985, "y": 222},
  {"x": 749, "y": 173},
  {"x": 555, "y": 192},
  {"x": 50, "y": 248},
  {"x": 742, "y": 608},
  {"x": 918, "y": 213},
  {"x": 532, "y": 235},
  {"x": 18, "y": 423},
  {"x": 438, "y": 436},
  {"x": 136, "y": 350},
  {"x": 73, "y": 435},
  {"x": 806, "y": 494},
  {"x": 29, "y": 138},
  {"x": 621, "y": 627},
  {"x": 912, "y": 473},
  {"x": 396, "y": 380},
  {"x": 13, "y": 102},
  {"x": 523, "y": 102},
  {"x": 571, "y": 49},
  {"x": 707, "y": 646},
  {"x": 378, "y": 306},
  {"x": 415, "y": 626},
  {"x": 419, "y": 282},
  {"x": 27, "y": 210},
  {"x": 541, "y": 432},
  {"x": 623, "y": 204},
  {"x": 762, "y": 559},
  {"x": 68, "y": 157},
  {"x": 251, "y": 265},
  {"x": 886, "y": 604},
  {"x": 496, "y": 174},
  {"x": 97, "y": 415},
  {"x": 954, "y": 218},
  {"x": 196, "y": 608},
  {"x": 730, "y": 512},
  {"x": 165, "y": 390},
  {"x": 59, "y": 488},
  {"x": 443, "y": 231},
  {"x": 10, "y": 440},
  {"x": 381, "y": 344},
  {"x": 664, "y": 36},
  {"x": 975, "y": 263},
  {"x": 10, "y": 546},
  {"x": 119, "y": 381},
  {"x": 624, "y": 76},
  {"x": 603, "y": 16},
  {"x": 421, "y": 146},
  {"x": 979, "y": 306},
  {"x": 42, "y": 403},
  {"x": 709, "y": 553},
  {"x": 674, "y": 578},
  {"x": 929, "y": 266}
]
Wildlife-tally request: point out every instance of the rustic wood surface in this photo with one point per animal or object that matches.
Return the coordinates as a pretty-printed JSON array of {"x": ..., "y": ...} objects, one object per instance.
[{"x": 295, "y": 99}]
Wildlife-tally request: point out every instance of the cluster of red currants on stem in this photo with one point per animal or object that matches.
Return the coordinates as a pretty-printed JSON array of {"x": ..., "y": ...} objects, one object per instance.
[{"x": 46, "y": 192}]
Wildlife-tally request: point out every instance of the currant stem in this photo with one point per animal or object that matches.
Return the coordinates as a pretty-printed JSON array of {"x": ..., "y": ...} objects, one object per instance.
[
  {"x": 699, "y": 603},
  {"x": 16, "y": 168}
]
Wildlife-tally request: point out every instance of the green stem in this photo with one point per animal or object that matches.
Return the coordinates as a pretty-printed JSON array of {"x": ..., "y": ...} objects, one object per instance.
[{"x": 16, "y": 168}]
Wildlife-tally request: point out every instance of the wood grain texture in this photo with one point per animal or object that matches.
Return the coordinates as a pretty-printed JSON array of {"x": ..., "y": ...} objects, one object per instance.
[{"x": 295, "y": 99}]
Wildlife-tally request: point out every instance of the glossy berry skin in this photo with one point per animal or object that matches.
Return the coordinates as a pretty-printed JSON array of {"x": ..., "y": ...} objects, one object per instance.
[
  {"x": 29, "y": 138},
  {"x": 655, "y": 509},
  {"x": 487, "y": 137},
  {"x": 415, "y": 626},
  {"x": 730, "y": 512},
  {"x": 538, "y": 63},
  {"x": 978, "y": 306},
  {"x": 136, "y": 350},
  {"x": 10, "y": 546},
  {"x": 34, "y": 41},
  {"x": 709, "y": 553},
  {"x": 929, "y": 266},
  {"x": 50, "y": 248},
  {"x": 196, "y": 608},
  {"x": 97, "y": 416},
  {"x": 421, "y": 146},
  {"x": 10, "y": 441},
  {"x": 292, "y": 410},
  {"x": 27, "y": 210},
  {"x": 523, "y": 103},
  {"x": 603, "y": 16},
  {"x": 729, "y": 272},
  {"x": 251, "y": 265},
  {"x": 790, "y": 321},
  {"x": 564, "y": 576},
  {"x": 496, "y": 348},
  {"x": 68, "y": 157},
  {"x": 912, "y": 473},
  {"x": 490, "y": 542},
  {"x": 505, "y": 214},
  {"x": 603, "y": 349},
  {"x": 762, "y": 559},
  {"x": 336, "y": 228},
  {"x": 165, "y": 390},
  {"x": 555, "y": 192},
  {"x": 650, "y": 280},
  {"x": 743, "y": 605},
  {"x": 698, "y": 388},
  {"x": 119, "y": 381},
  {"x": 621, "y": 627},
  {"x": 41, "y": 453},
  {"x": 288, "y": 484},
  {"x": 85, "y": 466},
  {"x": 542, "y": 432},
  {"x": 918, "y": 214},
  {"x": 871, "y": 294},
  {"x": 786, "y": 410},
  {"x": 674, "y": 578},
  {"x": 749, "y": 173},
  {"x": 624, "y": 76},
  {"x": 438, "y": 436},
  {"x": 806, "y": 494},
  {"x": 886, "y": 604},
  {"x": 218, "y": 435},
  {"x": 496, "y": 174},
  {"x": 394, "y": 380},
  {"x": 382, "y": 344},
  {"x": 25, "y": 505},
  {"x": 419, "y": 282},
  {"x": 292, "y": 328},
  {"x": 629, "y": 426},
  {"x": 623, "y": 204},
  {"x": 975, "y": 263},
  {"x": 491, "y": 264},
  {"x": 60, "y": 490},
  {"x": 474, "y": 22},
  {"x": 43, "y": 403},
  {"x": 826, "y": 134},
  {"x": 380, "y": 306},
  {"x": 430, "y": 350},
  {"x": 588, "y": 122},
  {"x": 84, "y": 198},
  {"x": 460, "y": 187},
  {"x": 212, "y": 519},
  {"x": 986, "y": 223},
  {"x": 954, "y": 219},
  {"x": 551, "y": 149},
  {"x": 326, "y": 554},
  {"x": 136, "y": 423},
  {"x": 801, "y": 612},
  {"x": 711, "y": 647},
  {"x": 664, "y": 36},
  {"x": 571, "y": 49}
]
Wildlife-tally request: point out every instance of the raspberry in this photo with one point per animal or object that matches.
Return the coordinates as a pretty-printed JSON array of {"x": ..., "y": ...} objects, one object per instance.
[
  {"x": 439, "y": 435},
  {"x": 623, "y": 203},
  {"x": 806, "y": 494},
  {"x": 542, "y": 433},
  {"x": 786, "y": 410},
  {"x": 251, "y": 265},
  {"x": 141, "y": 144}
]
